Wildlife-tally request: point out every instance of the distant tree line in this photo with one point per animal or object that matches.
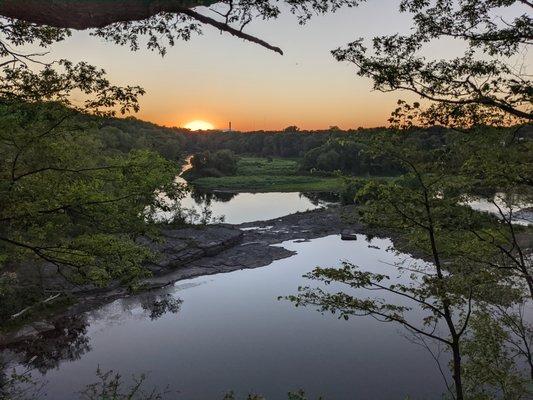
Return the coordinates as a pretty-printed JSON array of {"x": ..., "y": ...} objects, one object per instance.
[{"x": 324, "y": 151}]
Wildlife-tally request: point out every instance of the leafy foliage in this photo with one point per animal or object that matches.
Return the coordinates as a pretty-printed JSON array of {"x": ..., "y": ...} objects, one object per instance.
[
  {"x": 219, "y": 163},
  {"x": 476, "y": 269},
  {"x": 67, "y": 202},
  {"x": 481, "y": 86},
  {"x": 489, "y": 370},
  {"x": 112, "y": 387}
]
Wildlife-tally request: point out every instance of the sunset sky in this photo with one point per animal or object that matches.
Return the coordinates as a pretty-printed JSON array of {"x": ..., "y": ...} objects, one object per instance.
[{"x": 218, "y": 78}]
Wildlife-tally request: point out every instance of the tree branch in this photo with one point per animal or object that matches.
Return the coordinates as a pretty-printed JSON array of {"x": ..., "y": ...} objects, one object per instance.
[{"x": 226, "y": 28}]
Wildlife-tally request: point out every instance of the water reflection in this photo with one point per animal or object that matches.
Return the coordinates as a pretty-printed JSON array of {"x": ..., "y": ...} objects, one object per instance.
[
  {"x": 519, "y": 207},
  {"x": 161, "y": 305},
  {"x": 237, "y": 208},
  {"x": 200, "y": 206},
  {"x": 321, "y": 198},
  {"x": 68, "y": 342},
  {"x": 200, "y": 196},
  {"x": 231, "y": 333},
  {"x": 71, "y": 339}
]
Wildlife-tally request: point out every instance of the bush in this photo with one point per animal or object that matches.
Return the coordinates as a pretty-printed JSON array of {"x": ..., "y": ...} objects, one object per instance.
[
  {"x": 207, "y": 164},
  {"x": 350, "y": 189}
]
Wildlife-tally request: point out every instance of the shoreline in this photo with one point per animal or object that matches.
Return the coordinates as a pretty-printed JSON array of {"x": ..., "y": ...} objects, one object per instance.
[
  {"x": 255, "y": 191},
  {"x": 200, "y": 251},
  {"x": 191, "y": 252}
]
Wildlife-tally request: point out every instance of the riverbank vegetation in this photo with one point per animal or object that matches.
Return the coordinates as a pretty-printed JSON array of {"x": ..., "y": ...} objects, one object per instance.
[
  {"x": 211, "y": 164},
  {"x": 265, "y": 183},
  {"x": 71, "y": 205},
  {"x": 268, "y": 175}
]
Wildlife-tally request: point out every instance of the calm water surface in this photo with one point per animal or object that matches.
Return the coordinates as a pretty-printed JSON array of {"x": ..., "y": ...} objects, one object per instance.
[
  {"x": 231, "y": 333},
  {"x": 237, "y": 208},
  {"x": 497, "y": 204}
]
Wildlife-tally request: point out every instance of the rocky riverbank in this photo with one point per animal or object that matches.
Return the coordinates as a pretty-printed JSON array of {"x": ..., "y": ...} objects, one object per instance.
[
  {"x": 195, "y": 251},
  {"x": 256, "y": 239}
]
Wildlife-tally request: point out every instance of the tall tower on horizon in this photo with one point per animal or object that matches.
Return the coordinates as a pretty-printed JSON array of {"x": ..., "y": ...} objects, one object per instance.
[{"x": 229, "y": 127}]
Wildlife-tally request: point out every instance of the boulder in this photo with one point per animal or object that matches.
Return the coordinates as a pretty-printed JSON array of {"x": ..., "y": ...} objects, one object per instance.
[{"x": 347, "y": 234}]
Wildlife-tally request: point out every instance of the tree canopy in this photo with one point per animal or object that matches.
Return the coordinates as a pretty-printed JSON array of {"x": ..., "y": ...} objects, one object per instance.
[
  {"x": 487, "y": 84},
  {"x": 123, "y": 21}
]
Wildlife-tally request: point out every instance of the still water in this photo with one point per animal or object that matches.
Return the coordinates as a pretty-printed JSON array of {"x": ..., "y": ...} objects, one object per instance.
[
  {"x": 206, "y": 336},
  {"x": 519, "y": 206},
  {"x": 231, "y": 333},
  {"x": 237, "y": 208}
]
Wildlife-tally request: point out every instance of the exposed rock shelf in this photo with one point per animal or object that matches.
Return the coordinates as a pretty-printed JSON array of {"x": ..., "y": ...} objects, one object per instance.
[{"x": 195, "y": 251}]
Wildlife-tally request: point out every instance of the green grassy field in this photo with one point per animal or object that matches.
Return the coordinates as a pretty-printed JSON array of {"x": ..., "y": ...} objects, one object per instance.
[
  {"x": 278, "y": 175},
  {"x": 249, "y": 166}
]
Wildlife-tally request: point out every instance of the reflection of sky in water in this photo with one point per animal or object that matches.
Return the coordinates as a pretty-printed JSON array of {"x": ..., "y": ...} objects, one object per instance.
[
  {"x": 237, "y": 208},
  {"x": 232, "y": 333},
  {"x": 487, "y": 205},
  {"x": 248, "y": 207}
]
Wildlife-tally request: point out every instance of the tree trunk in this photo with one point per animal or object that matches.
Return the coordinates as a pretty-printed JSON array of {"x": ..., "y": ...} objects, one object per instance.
[
  {"x": 84, "y": 14},
  {"x": 457, "y": 379}
]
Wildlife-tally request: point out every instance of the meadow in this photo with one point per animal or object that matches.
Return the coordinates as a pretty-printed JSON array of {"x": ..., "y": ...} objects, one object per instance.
[{"x": 270, "y": 175}]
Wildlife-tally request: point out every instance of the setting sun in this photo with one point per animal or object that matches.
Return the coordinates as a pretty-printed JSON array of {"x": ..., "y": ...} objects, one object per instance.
[{"x": 199, "y": 125}]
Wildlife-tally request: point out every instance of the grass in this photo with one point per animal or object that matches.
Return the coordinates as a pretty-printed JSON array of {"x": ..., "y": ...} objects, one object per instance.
[
  {"x": 271, "y": 183},
  {"x": 277, "y": 175},
  {"x": 253, "y": 166}
]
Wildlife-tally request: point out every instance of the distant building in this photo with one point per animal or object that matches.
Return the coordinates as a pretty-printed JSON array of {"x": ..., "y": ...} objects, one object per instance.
[{"x": 229, "y": 128}]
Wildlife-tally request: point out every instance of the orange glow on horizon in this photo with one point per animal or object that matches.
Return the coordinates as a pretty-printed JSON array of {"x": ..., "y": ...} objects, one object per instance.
[
  {"x": 199, "y": 125},
  {"x": 249, "y": 124}
]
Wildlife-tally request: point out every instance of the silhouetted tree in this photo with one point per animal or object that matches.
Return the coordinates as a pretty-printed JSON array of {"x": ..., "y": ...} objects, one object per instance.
[{"x": 482, "y": 86}]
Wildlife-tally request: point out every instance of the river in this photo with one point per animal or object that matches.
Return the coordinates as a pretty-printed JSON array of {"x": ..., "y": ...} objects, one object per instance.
[
  {"x": 237, "y": 208},
  {"x": 229, "y": 332},
  {"x": 206, "y": 336}
]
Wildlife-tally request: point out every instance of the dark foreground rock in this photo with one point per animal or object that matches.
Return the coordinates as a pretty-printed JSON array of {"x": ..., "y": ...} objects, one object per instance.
[
  {"x": 348, "y": 234},
  {"x": 255, "y": 248},
  {"x": 178, "y": 247}
]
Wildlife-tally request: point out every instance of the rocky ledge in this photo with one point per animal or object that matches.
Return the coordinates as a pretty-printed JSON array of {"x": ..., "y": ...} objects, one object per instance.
[
  {"x": 179, "y": 247},
  {"x": 195, "y": 251},
  {"x": 255, "y": 245}
]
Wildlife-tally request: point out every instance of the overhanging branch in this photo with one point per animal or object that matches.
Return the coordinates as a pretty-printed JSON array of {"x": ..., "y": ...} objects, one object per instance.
[
  {"x": 226, "y": 28},
  {"x": 86, "y": 14}
]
